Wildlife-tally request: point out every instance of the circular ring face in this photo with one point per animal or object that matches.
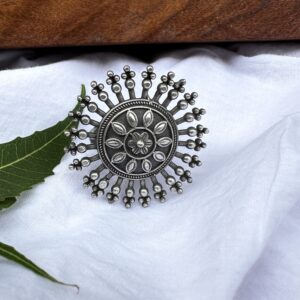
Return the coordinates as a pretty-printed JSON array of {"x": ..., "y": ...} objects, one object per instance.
[{"x": 137, "y": 139}]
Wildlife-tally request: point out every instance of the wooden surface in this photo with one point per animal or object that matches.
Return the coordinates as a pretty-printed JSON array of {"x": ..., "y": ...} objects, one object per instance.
[{"x": 44, "y": 23}]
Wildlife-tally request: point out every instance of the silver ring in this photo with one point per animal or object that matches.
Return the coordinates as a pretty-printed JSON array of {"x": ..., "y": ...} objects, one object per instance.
[{"x": 137, "y": 141}]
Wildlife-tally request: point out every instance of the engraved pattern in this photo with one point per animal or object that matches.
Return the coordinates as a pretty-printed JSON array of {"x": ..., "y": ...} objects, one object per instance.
[
  {"x": 160, "y": 127},
  {"x": 148, "y": 118},
  {"x": 159, "y": 156},
  {"x": 131, "y": 166},
  {"x": 164, "y": 142},
  {"x": 114, "y": 143},
  {"x": 132, "y": 118},
  {"x": 119, "y": 128},
  {"x": 146, "y": 165},
  {"x": 140, "y": 142},
  {"x": 118, "y": 157}
]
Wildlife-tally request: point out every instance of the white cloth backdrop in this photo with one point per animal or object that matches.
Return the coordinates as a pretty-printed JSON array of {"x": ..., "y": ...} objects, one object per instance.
[{"x": 233, "y": 234}]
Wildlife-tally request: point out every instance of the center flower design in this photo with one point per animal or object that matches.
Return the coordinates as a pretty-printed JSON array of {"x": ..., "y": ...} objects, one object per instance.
[{"x": 140, "y": 143}]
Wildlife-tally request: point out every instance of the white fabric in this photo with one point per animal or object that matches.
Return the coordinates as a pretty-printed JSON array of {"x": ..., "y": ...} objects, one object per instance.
[{"x": 233, "y": 234}]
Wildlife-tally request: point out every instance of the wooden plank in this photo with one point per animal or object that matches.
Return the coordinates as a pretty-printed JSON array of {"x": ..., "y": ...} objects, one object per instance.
[{"x": 25, "y": 23}]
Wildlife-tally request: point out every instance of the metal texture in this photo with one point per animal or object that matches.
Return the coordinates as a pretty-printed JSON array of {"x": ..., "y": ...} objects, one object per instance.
[{"x": 137, "y": 139}]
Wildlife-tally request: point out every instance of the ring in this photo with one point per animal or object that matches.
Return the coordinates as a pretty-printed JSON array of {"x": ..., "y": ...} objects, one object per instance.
[{"x": 138, "y": 139}]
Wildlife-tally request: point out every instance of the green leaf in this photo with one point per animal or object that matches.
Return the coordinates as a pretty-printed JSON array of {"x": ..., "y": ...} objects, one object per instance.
[
  {"x": 6, "y": 203},
  {"x": 12, "y": 254},
  {"x": 26, "y": 161}
]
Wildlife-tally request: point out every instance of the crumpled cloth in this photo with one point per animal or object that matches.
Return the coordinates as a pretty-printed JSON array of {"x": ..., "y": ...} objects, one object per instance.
[{"x": 235, "y": 231}]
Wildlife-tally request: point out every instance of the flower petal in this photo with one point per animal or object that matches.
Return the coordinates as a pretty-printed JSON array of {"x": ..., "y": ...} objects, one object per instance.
[
  {"x": 118, "y": 157},
  {"x": 144, "y": 136},
  {"x": 114, "y": 143},
  {"x": 132, "y": 118},
  {"x": 164, "y": 142},
  {"x": 146, "y": 165},
  {"x": 159, "y": 156},
  {"x": 148, "y": 118},
  {"x": 119, "y": 128},
  {"x": 135, "y": 136},
  {"x": 144, "y": 150},
  {"x": 131, "y": 143},
  {"x": 136, "y": 150},
  {"x": 160, "y": 127},
  {"x": 148, "y": 143},
  {"x": 131, "y": 166}
]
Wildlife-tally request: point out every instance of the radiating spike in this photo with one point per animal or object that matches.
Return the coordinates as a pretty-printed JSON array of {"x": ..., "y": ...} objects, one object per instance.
[
  {"x": 74, "y": 133},
  {"x": 129, "y": 194},
  {"x": 175, "y": 186},
  {"x": 198, "y": 131},
  {"x": 178, "y": 87},
  {"x": 113, "y": 196},
  {"x": 189, "y": 99},
  {"x": 148, "y": 76},
  {"x": 92, "y": 134},
  {"x": 93, "y": 107},
  {"x": 99, "y": 188},
  {"x": 191, "y": 131},
  {"x": 188, "y": 117},
  {"x": 115, "y": 86},
  {"x": 84, "y": 119},
  {"x": 94, "y": 174},
  {"x": 167, "y": 80},
  {"x": 184, "y": 175},
  {"x": 94, "y": 158},
  {"x": 98, "y": 89},
  {"x": 84, "y": 162},
  {"x": 159, "y": 193},
  {"x": 81, "y": 148},
  {"x": 191, "y": 116},
  {"x": 196, "y": 144},
  {"x": 91, "y": 121},
  {"x": 144, "y": 198},
  {"x": 129, "y": 82},
  {"x": 192, "y": 161}
]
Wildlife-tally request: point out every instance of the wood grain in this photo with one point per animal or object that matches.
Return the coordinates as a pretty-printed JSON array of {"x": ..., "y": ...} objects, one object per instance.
[{"x": 27, "y": 23}]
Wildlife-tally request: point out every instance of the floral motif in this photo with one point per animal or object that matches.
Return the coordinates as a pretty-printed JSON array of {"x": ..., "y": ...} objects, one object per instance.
[
  {"x": 140, "y": 143},
  {"x": 118, "y": 157}
]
